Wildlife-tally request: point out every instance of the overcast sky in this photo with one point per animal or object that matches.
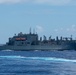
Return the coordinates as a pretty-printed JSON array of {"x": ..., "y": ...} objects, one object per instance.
[{"x": 47, "y": 17}]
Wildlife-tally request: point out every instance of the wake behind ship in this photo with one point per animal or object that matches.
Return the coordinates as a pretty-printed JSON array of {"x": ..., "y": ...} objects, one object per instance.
[{"x": 31, "y": 41}]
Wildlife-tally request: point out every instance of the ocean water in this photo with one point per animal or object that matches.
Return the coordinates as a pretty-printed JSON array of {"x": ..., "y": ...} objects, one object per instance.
[{"x": 38, "y": 62}]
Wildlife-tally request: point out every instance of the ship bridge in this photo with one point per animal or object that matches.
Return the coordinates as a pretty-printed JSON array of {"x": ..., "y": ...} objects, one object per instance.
[{"x": 23, "y": 39}]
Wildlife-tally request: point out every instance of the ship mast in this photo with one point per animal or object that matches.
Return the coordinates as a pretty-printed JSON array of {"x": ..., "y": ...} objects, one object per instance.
[
  {"x": 30, "y": 30},
  {"x": 33, "y": 31}
]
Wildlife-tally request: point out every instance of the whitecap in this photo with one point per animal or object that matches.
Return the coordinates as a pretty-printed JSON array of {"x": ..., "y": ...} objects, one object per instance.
[{"x": 40, "y": 58}]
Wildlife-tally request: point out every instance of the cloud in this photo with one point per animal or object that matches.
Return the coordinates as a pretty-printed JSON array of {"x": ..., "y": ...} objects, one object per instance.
[
  {"x": 12, "y": 1},
  {"x": 71, "y": 29},
  {"x": 39, "y": 29},
  {"x": 54, "y": 2},
  {"x": 51, "y": 2}
]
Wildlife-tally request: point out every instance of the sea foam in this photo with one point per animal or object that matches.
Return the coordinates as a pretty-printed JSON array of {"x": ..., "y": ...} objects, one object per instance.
[{"x": 39, "y": 58}]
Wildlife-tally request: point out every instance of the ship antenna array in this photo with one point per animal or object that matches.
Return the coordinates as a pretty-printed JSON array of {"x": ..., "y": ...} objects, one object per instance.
[
  {"x": 33, "y": 31},
  {"x": 30, "y": 30}
]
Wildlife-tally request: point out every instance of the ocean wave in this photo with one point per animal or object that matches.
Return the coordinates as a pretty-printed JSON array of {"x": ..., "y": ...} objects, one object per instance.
[{"x": 39, "y": 58}]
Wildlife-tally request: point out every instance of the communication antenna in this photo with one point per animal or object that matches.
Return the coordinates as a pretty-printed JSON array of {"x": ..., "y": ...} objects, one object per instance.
[
  {"x": 15, "y": 34},
  {"x": 33, "y": 31},
  {"x": 71, "y": 37},
  {"x": 30, "y": 30}
]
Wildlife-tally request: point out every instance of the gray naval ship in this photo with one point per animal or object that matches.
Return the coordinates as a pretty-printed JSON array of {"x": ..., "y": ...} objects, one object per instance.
[{"x": 31, "y": 41}]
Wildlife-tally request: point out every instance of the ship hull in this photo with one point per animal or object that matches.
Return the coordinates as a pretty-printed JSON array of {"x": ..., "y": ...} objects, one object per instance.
[{"x": 38, "y": 47}]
